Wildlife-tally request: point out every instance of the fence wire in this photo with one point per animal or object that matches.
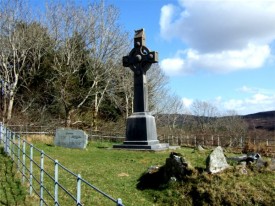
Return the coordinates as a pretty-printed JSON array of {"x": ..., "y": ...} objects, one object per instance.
[{"x": 33, "y": 164}]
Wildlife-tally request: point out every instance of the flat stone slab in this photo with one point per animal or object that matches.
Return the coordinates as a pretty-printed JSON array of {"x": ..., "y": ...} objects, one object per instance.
[{"x": 71, "y": 138}]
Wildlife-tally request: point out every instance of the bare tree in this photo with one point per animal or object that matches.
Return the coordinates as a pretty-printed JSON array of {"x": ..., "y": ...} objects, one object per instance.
[
  {"x": 123, "y": 97},
  {"x": 21, "y": 48},
  {"x": 68, "y": 31},
  {"x": 204, "y": 114},
  {"x": 173, "y": 113},
  {"x": 102, "y": 42},
  {"x": 233, "y": 128},
  {"x": 158, "y": 90}
]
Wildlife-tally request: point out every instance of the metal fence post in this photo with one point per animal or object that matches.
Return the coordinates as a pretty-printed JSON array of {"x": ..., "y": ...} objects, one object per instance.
[
  {"x": 78, "y": 195},
  {"x": 56, "y": 183},
  {"x": 31, "y": 167},
  {"x": 24, "y": 161},
  {"x": 12, "y": 147},
  {"x": 119, "y": 202},
  {"x": 6, "y": 142},
  {"x": 18, "y": 151},
  {"x": 41, "y": 177},
  {"x": 1, "y": 126},
  {"x": 9, "y": 142}
]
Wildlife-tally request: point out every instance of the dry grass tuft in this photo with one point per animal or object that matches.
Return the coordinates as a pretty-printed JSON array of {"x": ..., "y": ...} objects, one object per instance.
[
  {"x": 261, "y": 148},
  {"x": 34, "y": 138}
]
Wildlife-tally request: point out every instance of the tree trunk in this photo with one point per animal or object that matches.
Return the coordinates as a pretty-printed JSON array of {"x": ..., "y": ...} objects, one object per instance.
[
  {"x": 95, "y": 113},
  {"x": 95, "y": 117},
  {"x": 69, "y": 118},
  {"x": 4, "y": 113},
  {"x": 126, "y": 107},
  {"x": 10, "y": 107}
]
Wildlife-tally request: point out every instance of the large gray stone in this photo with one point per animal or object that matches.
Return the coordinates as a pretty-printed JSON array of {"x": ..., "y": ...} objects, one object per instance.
[
  {"x": 216, "y": 161},
  {"x": 71, "y": 138}
]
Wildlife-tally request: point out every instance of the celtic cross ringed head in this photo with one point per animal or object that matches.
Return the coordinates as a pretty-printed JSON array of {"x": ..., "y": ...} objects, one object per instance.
[{"x": 140, "y": 58}]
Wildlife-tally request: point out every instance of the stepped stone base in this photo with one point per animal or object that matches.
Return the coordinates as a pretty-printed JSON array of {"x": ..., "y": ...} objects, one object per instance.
[
  {"x": 155, "y": 147},
  {"x": 141, "y": 133}
]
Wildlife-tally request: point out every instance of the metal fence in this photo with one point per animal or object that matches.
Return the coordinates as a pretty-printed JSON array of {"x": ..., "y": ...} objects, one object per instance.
[
  {"x": 50, "y": 184},
  {"x": 211, "y": 140},
  {"x": 32, "y": 129}
]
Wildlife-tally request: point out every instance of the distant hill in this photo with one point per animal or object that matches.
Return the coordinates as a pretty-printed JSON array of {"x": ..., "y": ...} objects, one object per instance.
[{"x": 261, "y": 120}]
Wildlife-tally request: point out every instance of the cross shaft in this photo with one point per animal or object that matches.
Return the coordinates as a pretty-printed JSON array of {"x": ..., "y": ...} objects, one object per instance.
[{"x": 140, "y": 60}]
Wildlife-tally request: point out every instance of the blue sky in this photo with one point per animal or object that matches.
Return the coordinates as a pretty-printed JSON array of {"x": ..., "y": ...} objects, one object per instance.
[{"x": 219, "y": 51}]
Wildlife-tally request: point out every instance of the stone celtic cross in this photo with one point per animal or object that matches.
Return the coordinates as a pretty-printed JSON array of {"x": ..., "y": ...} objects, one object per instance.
[
  {"x": 140, "y": 60},
  {"x": 141, "y": 132}
]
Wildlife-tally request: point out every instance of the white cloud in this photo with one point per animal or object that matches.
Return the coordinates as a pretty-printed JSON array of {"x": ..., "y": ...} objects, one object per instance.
[
  {"x": 219, "y": 25},
  {"x": 222, "y": 36},
  {"x": 172, "y": 66},
  {"x": 251, "y": 57},
  {"x": 166, "y": 18},
  {"x": 250, "y": 105},
  {"x": 255, "y": 90},
  {"x": 259, "y": 100},
  {"x": 187, "y": 102},
  {"x": 245, "y": 89}
]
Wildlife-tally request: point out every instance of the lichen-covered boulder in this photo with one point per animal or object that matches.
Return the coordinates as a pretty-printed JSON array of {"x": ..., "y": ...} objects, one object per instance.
[{"x": 216, "y": 161}]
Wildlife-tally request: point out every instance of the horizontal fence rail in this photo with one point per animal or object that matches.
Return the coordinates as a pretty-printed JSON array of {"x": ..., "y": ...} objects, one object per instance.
[
  {"x": 211, "y": 140},
  {"x": 50, "y": 184}
]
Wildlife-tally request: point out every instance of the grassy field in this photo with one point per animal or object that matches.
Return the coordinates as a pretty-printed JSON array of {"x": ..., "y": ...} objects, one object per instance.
[{"x": 116, "y": 172}]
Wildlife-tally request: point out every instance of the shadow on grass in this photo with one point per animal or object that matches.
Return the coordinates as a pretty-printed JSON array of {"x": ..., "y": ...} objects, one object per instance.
[
  {"x": 176, "y": 169},
  {"x": 11, "y": 190},
  {"x": 156, "y": 180}
]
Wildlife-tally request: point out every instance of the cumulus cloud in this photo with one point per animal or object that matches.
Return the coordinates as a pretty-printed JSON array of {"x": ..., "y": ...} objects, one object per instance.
[
  {"x": 251, "y": 105},
  {"x": 173, "y": 66},
  {"x": 190, "y": 61},
  {"x": 258, "y": 100},
  {"x": 222, "y": 36}
]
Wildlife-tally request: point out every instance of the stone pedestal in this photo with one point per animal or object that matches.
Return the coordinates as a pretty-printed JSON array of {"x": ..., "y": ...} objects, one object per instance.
[{"x": 141, "y": 133}]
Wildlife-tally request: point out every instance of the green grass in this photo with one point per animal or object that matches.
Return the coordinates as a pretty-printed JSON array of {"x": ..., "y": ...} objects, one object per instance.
[
  {"x": 116, "y": 172},
  {"x": 113, "y": 171},
  {"x": 11, "y": 190}
]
